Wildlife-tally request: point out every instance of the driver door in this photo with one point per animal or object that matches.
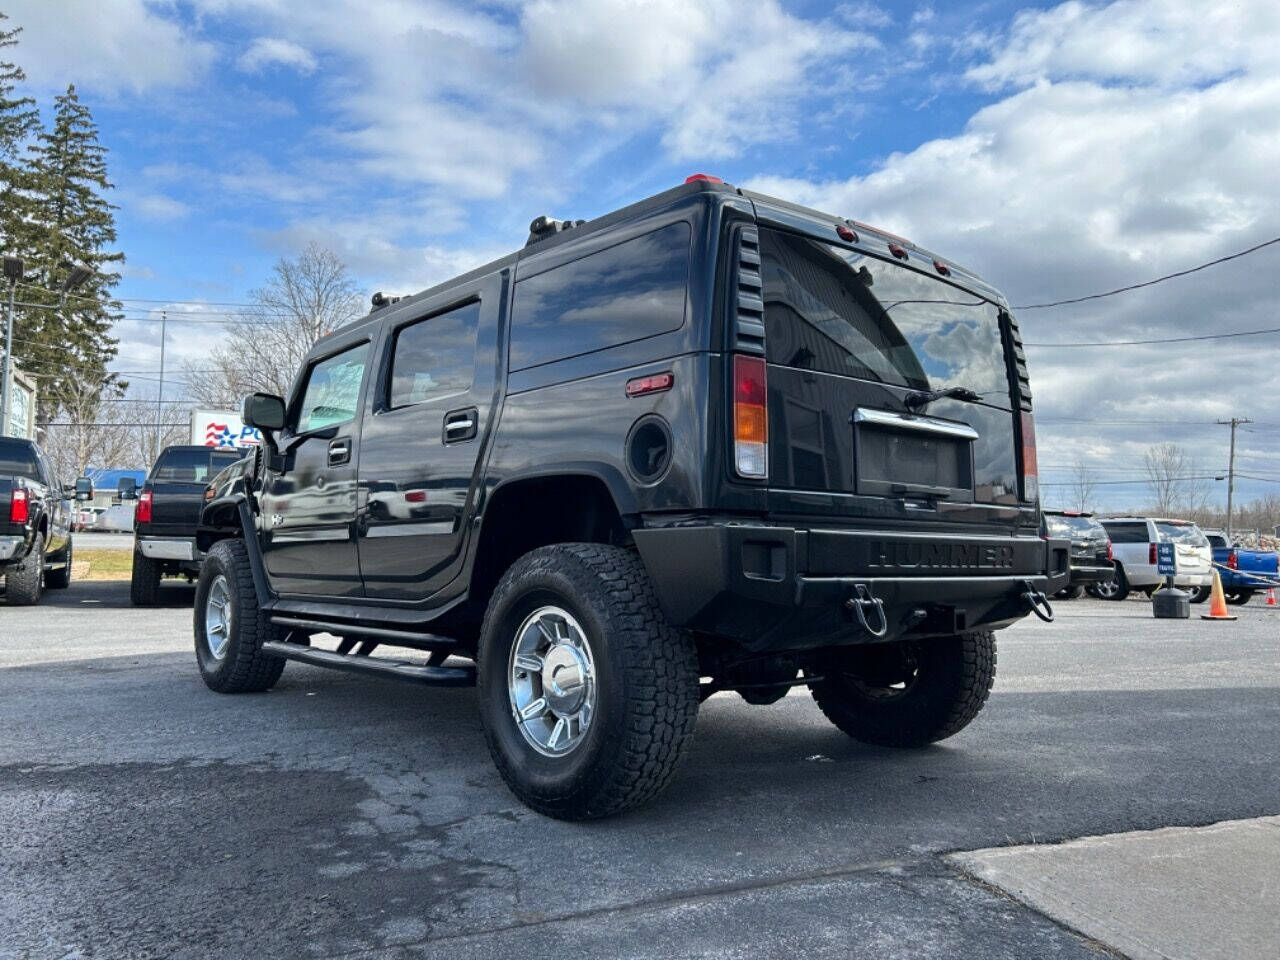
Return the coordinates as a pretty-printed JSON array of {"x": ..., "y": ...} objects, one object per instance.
[{"x": 308, "y": 508}]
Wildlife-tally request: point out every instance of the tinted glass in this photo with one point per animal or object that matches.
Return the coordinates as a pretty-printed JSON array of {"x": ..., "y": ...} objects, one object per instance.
[
  {"x": 1079, "y": 528},
  {"x": 18, "y": 460},
  {"x": 435, "y": 357},
  {"x": 1126, "y": 532},
  {"x": 333, "y": 390},
  {"x": 1187, "y": 533},
  {"x": 1216, "y": 541},
  {"x": 835, "y": 310},
  {"x": 191, "y": 466},
  {"x": 627, "y": 292}
]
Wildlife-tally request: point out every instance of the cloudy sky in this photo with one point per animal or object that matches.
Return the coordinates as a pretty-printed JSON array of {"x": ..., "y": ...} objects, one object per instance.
[{"x": 1058, "y": 149}]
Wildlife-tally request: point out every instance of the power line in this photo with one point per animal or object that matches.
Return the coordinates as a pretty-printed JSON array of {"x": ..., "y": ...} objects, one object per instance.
[
  {"x": 1151, "y": 283},
  {"x": 1135, "y": 343},
  {"x": 1065, "y": 483}
]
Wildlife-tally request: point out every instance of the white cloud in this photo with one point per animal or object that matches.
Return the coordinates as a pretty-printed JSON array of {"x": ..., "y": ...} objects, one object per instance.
[
  {"x": 275, "y": 51},
  {"x": 111, "y": 46},
  {"x": 157, "y": 207}
]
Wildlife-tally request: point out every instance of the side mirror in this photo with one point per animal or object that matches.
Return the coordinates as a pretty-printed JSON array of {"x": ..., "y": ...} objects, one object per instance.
[
  {"x": 127, "y": 489},
  {"x": 263, "y": 410},
  {"x": 84, "y": 488}
]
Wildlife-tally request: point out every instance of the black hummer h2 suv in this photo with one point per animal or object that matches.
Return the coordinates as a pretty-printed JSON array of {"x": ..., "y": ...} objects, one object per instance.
[{"x": 711, "y": 441}]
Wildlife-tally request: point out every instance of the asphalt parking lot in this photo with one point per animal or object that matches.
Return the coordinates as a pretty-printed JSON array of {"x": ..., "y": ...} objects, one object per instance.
[{"x": 143, "y": 816}]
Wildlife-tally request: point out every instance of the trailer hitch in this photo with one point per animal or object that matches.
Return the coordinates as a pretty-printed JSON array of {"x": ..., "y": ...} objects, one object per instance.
[
  {"x": 862, "y": 601},
  {"x": 1037, "y": 601}
]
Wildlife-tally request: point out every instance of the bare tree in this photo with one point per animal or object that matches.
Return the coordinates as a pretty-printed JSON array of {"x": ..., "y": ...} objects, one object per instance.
[
  {"x": 305, "y": 298},
  {"x": 1084, "y": 484},
  {"x": 1176, "y": 481},
  {"x": 154, "y": 426},
  {"x": 89, "y": 429}
]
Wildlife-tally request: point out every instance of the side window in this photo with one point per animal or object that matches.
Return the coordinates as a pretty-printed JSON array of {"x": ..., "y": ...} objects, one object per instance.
[
  {"x": 434, "y": 357},
  {"x": 1126, "y": 532},
  {"x": 333, "y": 390},
  {"x": 627, "y": 292}
]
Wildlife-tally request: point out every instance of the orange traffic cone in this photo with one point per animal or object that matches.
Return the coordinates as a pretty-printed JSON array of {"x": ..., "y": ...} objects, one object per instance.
[
  {"x": 1271, "y": 596},
  {"x": 1217, "y": 602}
]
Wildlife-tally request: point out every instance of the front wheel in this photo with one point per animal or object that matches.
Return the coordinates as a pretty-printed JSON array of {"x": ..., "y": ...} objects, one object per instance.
[
  {"x": 1117, "y": 588},
  {"x": 587, "y": 695},
  {"x": 910, "y": 693},
  {"x": 230, "y": 627},
  {"x": 60, "y": 578},
  {"x": 1074, "y": 592}
]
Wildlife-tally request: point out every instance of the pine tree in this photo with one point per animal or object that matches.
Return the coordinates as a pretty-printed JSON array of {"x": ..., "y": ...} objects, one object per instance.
[
  {"x": 70, "y": 221},
  {"x": 19, "y": 120}
]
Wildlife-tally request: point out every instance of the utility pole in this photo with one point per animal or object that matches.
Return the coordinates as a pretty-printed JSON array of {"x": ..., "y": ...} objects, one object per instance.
[
  {"x": 1231, "y": 466},
  {"x": 164, "y": 320}
]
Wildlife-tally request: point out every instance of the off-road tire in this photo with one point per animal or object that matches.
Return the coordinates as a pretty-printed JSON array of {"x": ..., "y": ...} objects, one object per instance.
[
  {"x": 646, "y": 680},
  {"x": 1121, "y": 591},
  {"x": 244, "y": 668},
  {"x": 1239, "y": 598},
  {"x": 144, "y": 582},
  {"x": 60, "y": 579},
  {"x": 952, "y": 682},
  {"x": 24, "y": 581},
  {"x": 1200, "y": 594}
]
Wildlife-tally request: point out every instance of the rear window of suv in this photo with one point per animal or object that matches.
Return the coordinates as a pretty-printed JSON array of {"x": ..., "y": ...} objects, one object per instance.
[
  {"x": 832, "y": 309},
  {"x": 1187, "y": 533},
  {"x": 1126, "y": 532},
  {"x": 1074, "y": 527}
]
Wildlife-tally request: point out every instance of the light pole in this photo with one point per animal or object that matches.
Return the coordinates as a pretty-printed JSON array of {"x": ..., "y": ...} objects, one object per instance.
[{"x": 13, "y": 268}]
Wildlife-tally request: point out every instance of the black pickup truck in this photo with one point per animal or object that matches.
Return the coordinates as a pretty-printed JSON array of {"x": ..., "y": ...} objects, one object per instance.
[
  {"x": 35, "y": 523},
  {"x": 710, "y": 442},
  {"x": 168, "y": 511}
]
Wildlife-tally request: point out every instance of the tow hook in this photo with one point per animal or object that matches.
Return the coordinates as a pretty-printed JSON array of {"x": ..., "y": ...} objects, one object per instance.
[
  {"x": 860, "y": 602},
  {"x": 1037, "y": 601}
]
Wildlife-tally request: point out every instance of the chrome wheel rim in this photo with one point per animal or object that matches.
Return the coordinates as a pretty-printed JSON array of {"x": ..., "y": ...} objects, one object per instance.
[
  {"x": 217, "y": 618},
  {"x": 552, "y": 681},
  {"x": 1107, "y": 588}
]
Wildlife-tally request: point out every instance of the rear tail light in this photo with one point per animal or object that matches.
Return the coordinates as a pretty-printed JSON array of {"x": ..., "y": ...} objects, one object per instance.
[
  {"x": 1111, "y": 554},
  {"x": 1233, "y": 561},
  {"x": 19, "y": 506},
  {"x": 750, "y": 417},
  {"x": 1151, "y": 554},
  {"x": 144, "y": 507},
  {"x": 1030, "y": 471}
]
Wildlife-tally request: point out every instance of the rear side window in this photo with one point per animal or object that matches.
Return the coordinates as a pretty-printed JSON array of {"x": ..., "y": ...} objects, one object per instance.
[
  {"x": 630, "y": 291},
  {"x": 434, "y": 357},
  {"x": 190, "y": 466},
  {"x": 1187, "y": 533},
  {"x": 1216, "y": 541},
  {"x": 1126, "y": 532},
  {"x": 836, "y": 310},
  {"x": 18, "y": 460},
  {"x": 333, "y": 390}
]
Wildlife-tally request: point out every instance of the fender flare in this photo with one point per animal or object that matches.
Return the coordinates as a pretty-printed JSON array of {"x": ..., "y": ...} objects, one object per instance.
[{"x": 239, "y": 523}]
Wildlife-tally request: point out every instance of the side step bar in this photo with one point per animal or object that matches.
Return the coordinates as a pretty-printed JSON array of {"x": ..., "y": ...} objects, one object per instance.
[
  {"x": 377, "y": 666},
  {"x": 404, "y": 638}
]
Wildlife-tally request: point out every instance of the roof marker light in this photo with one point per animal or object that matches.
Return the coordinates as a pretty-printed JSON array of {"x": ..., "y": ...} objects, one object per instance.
[
  {"x": 704, "y": 177},
  {"x": 898, "y": 251},
  {"x": 942, "y": 268},
  {"x": 846, "y": 233}
]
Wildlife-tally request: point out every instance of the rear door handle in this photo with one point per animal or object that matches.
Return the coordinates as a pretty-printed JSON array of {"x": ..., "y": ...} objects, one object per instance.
[
  {"x": 461, "y": 425},
  {"x": 339, "y": 451}
]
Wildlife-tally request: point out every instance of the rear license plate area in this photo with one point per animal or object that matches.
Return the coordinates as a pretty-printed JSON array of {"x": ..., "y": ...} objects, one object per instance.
[{"x": 908, "y": 461}]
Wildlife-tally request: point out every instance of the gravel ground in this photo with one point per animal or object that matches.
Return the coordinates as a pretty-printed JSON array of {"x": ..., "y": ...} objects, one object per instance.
[{"x": 143, "y": 816}]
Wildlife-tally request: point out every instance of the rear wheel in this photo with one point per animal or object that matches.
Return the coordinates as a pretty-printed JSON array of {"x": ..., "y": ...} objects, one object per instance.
[
  {"x": 1200, "y": 594},
  {"x": 1239, "y": 598},
  {"x": 60, "y": 579},
  {"x": 1117, "y": 588},
  {"x": 1071, "y": 593},
  {"x": 230, "y": 627},
  {"x": 908, "y": 694},
  {"x": 24, "y": 581},
  {"x": 144, "y": 583},
  {"x": 587, "y": 695}
]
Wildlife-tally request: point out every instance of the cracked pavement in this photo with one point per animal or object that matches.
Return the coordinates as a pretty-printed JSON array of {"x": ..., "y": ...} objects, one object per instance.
[{"x": 143, "y": 816}]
